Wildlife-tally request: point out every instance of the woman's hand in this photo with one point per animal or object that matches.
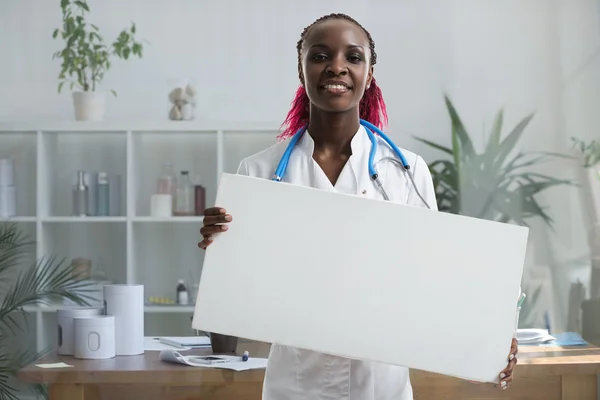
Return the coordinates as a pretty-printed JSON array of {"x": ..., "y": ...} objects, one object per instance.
[
  {"x": 215, "y": 220},
  {"x": 506, "y": 375}
]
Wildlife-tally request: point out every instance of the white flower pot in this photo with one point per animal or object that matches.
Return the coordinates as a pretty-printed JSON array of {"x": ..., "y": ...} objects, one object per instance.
[{"x": 89, "y": 106}]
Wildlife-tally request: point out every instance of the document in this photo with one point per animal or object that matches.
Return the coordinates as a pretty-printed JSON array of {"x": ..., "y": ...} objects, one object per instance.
[
  {"x": 362, "y": 279},
  {"x": 177, "y": 357}
]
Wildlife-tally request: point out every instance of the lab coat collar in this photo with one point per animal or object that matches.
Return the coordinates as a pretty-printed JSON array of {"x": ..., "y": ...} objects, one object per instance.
[
  {"x": 360, "y": 146},
  {"x": 360, "y": 139}
]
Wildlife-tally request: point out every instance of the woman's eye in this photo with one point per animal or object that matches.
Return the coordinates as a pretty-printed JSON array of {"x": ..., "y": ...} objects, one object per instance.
[
  {"x": 319, "y": 57},
  {"x": 355, "y": 58}
]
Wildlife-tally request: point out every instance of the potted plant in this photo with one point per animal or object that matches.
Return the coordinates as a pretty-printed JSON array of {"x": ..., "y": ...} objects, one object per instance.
[
  {"x": 495, "y": 183},
  {"x": 24, "y": 284},
  {"x": 86, "y": 58}
]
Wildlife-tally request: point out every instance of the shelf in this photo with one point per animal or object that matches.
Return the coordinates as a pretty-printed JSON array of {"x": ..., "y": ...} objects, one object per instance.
[
  {"x": 194, "y": 219},
  {"x": 22, "y": 148},
  {"x": 195, "y": 154},
  {"x": 65, "y": 154},
  {"x": 132, "y": 246},
  {"x": 157, "y": 309},
  {"x": 83, "y": 220},
  {"x": 133, "y": 126},
  {"x": 164, "y": 254},
  {"x": 18, "y": 219},
  {"x": 168, "y": 309},
  {"x": 105, "y": 245}
]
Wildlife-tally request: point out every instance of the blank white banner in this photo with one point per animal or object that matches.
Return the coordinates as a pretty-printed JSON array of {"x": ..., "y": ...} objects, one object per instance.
[{"x": 362, "y": 278}]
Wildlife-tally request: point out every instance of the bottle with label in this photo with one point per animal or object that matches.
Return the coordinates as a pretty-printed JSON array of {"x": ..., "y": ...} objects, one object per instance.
[
  {"x": 80, "y": 196},
  {"x": 182, "y": 293},
  {"x": 167, "y": 183},
  {"x": 184, "y": 198},
  {"x": 102, "y": 195}
]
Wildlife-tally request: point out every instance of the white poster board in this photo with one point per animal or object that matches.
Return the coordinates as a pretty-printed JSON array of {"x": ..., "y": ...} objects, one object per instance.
[{"x": 362, "y": 278}]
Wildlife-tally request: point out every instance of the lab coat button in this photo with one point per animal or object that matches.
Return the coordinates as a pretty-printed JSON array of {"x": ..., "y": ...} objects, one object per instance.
[{"x": 364, "y": 192}]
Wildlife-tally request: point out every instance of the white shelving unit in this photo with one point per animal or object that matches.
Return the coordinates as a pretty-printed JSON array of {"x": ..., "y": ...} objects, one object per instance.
[{"x": 133, "y": 247}]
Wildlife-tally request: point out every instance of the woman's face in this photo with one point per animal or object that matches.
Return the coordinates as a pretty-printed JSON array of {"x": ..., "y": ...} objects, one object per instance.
[{"x": 335, "y": 65}]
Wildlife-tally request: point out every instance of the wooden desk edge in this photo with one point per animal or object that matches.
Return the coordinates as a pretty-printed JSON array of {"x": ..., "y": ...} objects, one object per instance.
[{"x": 575, "y": 360}]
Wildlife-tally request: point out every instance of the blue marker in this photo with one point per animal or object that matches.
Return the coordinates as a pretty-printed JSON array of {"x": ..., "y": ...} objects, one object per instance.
[{"x": 246, "y": 356}]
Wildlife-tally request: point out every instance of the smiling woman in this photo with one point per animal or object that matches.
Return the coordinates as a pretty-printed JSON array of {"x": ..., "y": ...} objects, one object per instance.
[
  {"x": 337, "y": 90},
  {"x": 360, "y": 50}
]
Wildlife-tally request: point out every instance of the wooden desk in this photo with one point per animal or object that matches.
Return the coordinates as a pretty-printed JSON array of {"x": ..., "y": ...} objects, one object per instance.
[
  {"x": 542, "y": 373},
  {"x": 145, "y": 377}
]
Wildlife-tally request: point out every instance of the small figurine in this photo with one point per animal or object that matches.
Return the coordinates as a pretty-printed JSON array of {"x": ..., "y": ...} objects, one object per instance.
[{"x": 183, "y": 102}]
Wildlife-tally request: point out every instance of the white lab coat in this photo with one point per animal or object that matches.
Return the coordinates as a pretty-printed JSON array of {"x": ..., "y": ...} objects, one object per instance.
[{"x": 297, "y": 374}]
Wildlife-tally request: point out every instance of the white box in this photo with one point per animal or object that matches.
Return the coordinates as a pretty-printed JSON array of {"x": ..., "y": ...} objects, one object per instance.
[
  {"x": 95, "y": 337},
  {"x": 362, "y": 278}
]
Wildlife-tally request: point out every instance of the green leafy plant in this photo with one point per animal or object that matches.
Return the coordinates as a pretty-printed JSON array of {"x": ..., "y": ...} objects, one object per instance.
[
  {"x": 86, "y": 57},
  {"x": 23, "y": 284},
  {"x": 590, "y": 151},
  {"x": 493, "y": 184}
]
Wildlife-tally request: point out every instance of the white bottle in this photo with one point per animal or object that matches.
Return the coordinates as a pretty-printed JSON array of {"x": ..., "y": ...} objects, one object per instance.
[
  {"x": 167, "y": 183},
  {"x": 182, "y": 293}
]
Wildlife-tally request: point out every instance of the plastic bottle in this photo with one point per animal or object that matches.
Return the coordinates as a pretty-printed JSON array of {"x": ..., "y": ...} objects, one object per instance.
[
  {"x": 184, "y": 199},
  {"x": 182, "y": 293},
  {"x": 80, "y": 196},
  {"x": 167, "y": 183},
  {"x": 102, "y": 195}
]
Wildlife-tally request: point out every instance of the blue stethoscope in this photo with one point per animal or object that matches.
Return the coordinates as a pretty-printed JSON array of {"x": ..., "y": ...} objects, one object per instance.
[{"x": 401, "y": 161}]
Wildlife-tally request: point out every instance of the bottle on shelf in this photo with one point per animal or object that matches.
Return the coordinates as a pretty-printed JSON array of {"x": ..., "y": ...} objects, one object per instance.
[
  {"x": 199, "y": 197},
  {"x": 184, "y": 198},
  {"x": 8, "y": 202},
  {"x": 182, "y": 293},
  {"x": 80, "y": 196},
  {"x": 102, "y": 195},
  {"x": 167, "y": 183}
]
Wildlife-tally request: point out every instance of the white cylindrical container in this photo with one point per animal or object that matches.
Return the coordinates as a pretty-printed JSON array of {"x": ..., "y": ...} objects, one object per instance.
[
  {"x": 94, "y": 337},
  {"x": 7, "y": 176},
  {"x": 126, "y": 304},
  {"x": 66, "y": 338},
  {"x": 161, "y": 205},
  {"x": 8, "y": 201}
]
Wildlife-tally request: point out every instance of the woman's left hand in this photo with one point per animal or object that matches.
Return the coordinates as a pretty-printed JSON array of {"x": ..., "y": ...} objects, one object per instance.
[{"x": 506, "y": 375}]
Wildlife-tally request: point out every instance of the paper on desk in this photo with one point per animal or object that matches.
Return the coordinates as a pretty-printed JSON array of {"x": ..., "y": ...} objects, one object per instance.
[
  {"x": 176, "y": 357},
  {"x": 376, "y": 281},
  {"x": 154, "y": 344},
  {"x": 54, "y": 365}
]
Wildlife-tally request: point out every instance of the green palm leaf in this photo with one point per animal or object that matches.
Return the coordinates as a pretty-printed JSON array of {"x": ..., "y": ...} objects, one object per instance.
[
  {"x": 36, "y": 282},
  {"x": 493, "y": 184},
  {"x": 508, "y": 144},
  {"x": 496, "y": 133}
]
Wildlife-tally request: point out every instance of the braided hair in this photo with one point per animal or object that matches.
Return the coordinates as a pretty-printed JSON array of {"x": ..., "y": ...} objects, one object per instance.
[{"x": 372, "y": 107}]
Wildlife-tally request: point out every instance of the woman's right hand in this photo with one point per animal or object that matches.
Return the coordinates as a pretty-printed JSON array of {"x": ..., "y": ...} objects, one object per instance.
[{"x": 215, "y": 221}]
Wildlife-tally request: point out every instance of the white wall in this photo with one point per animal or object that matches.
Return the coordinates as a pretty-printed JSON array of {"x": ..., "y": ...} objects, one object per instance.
[
  {"x": 242, "y": 56},
  {"x": 519, "y": 54}
]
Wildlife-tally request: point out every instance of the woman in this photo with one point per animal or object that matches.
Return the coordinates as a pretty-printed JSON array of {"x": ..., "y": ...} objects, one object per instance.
[{"x": 336, "y": 56}]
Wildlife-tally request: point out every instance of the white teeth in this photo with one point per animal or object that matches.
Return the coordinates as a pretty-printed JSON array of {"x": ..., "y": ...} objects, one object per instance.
[{"x": 338, "y": 87}]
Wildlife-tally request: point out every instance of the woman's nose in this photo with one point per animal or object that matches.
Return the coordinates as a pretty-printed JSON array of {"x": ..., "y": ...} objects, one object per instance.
[{"x": 337, "y": 65}]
